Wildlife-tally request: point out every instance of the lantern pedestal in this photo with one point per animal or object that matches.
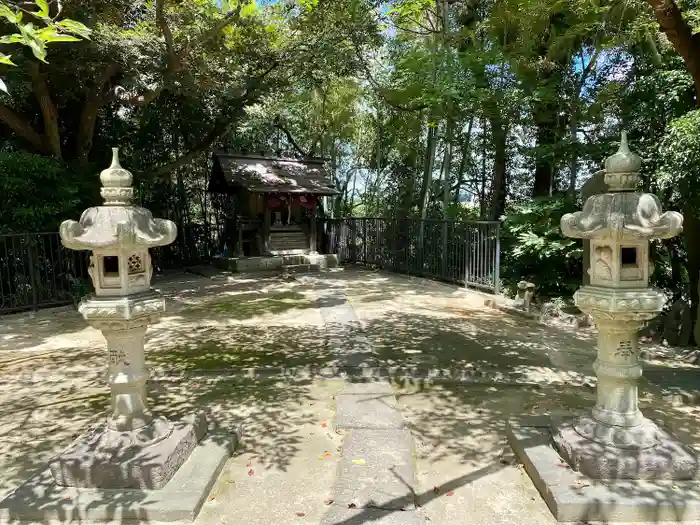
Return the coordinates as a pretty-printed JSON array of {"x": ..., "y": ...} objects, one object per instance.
[{"x": 146, "y": 458}]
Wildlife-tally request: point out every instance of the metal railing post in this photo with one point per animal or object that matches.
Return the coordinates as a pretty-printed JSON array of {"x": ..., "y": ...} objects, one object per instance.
[
  {"x": 497, "y": 262},
  {"x": 32, "y": 276}
]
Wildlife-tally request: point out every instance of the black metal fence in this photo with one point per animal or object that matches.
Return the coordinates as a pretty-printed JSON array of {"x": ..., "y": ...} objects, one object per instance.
[
  {"x": 467, "y": 253},
  {"x": 36, "y": 271}
]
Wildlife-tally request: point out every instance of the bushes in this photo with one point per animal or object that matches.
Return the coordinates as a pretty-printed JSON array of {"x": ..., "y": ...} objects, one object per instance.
[
  {"x": 37, "y": 193},
  {"x": 535, "y": 250}
]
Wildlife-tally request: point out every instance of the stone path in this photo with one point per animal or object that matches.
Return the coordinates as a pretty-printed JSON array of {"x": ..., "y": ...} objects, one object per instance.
[{"x": 376, "y": 478}]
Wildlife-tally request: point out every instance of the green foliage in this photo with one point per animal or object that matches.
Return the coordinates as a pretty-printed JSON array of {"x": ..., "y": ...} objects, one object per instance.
[
  {"x": 680, "y": 151},
  {"x": 35, "y": 38},
  {"x": 38, "y": 193},
  {"x": 535, "y": 250}
]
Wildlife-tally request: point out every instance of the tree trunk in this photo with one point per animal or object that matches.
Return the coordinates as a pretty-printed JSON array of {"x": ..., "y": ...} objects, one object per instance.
[
  {"x": 685, "y": 42},
  {"x": 49, "y": 113},
  {"x": 498, "y": 184},
  {"x": 573, "y": 137},
  {"x": 691, "y": 234},
  {"x": 482, "y": 190},
  {"x": 545, "y": 120},
  {"x": 463, "y": 160},
  {"x": 428, "y": 172},
  {"x": 446, "y": 169},
  {"x": 94, "y": 101}
]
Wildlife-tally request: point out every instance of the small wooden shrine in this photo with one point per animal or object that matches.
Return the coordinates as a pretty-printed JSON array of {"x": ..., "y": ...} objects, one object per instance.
[{"x": 270, "y": 203}]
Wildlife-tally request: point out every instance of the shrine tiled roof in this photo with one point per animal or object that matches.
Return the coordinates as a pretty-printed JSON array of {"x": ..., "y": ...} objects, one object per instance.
[{"x": 271, "y": 175}]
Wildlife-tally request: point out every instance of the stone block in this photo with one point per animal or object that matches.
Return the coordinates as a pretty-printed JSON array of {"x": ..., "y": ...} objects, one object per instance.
[
  {"x": 143, "y": 459},
  {"x": 573, "y": 497},
  {"x": 655, "y": 454},
  {"x": 40, "y": 499},
  {"x": 368, "y": 405},
  {"x": 376, "y": 470}
]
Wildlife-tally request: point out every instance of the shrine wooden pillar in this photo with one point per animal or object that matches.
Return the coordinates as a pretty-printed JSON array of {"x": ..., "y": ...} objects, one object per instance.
[
  {"x": 312, "y": 227},
  {"x": 267, "y": 222}
]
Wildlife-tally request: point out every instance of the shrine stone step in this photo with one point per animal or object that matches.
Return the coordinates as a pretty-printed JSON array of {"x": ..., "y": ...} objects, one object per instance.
[{"x": 286, "y": 241}]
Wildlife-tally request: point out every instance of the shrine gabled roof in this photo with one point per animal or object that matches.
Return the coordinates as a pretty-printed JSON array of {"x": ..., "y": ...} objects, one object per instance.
[{"x": 271, "y": 175}]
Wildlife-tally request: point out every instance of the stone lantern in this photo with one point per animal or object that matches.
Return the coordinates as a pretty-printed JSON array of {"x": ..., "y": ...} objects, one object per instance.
[
  {"x": 133, "y": 449},
  {"x": 616, "y": 440}
]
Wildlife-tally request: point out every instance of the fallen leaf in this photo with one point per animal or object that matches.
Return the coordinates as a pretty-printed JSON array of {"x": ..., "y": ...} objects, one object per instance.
[
  {"x": 324, "y": 425},
  {"x": 212, "y": 498},
  {"x": 67, "y": 496},
  {"x": 301, "y": 514},
  {"x": 321, "y": 458},
  {"x": 564, "y": 464},
  {"x": 251, "y": 472},
  {"x": 328, "y": 501},
  {"x": 327, "y": 454},
  {"x": 358, "y": 462},
  {"x": 579, "y": 484},
  {"x": 450, "y": 493},
  {"x": 249, "y": 465},
  {"x": 351, "y": 505},
  {"x": 436, "y": 490}
]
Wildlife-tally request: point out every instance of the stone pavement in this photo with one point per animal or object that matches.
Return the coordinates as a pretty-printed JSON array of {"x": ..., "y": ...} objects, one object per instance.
[
  {"x": 376, "y": 477},
  {"x": 272, "y": 354}
]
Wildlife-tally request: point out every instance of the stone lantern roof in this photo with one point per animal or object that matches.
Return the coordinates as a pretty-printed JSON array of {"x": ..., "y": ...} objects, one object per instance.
[
  {"x": 622, "y": 214},
  {"x": 117, "y": 223}
]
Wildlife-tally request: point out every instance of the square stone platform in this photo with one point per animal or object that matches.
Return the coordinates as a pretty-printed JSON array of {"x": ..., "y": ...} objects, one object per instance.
[
  {"x": 292, "y": 262},
  {"x": 41, "y": 500},
  {"x": 143, "y": 459},
  {"x": 573, "y": 497}
]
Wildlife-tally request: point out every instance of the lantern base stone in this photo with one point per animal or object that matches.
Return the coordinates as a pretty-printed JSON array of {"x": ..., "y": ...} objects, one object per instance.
[
  {"x": 574, "y": 497},
  {"x": 146, "y": 458},
  {"x": 642, "y": 452},
  {"x": 40, "y": 499}
]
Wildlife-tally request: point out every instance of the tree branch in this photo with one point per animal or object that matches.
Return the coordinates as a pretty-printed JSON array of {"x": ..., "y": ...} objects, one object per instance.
[
  {"x": 221, "y": 126},
  {"x": 173, "y": 58},
  {"x": 22, "y": 128},
  {"x": 176, "y": 59},
  {"x": 94, "y": 101},
  {"x": 290, "y": 139},
  {"x": 52, "y": 136}
]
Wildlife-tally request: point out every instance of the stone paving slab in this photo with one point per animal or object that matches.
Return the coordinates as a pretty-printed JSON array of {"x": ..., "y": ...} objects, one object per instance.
[
  {"x": 346, "y": 516},
  {"x": 572, "y": 497},
  {"x": 367, "y": 410},
  {"x": 40, "y": 499},
  {"x": 376, "y": 470}
]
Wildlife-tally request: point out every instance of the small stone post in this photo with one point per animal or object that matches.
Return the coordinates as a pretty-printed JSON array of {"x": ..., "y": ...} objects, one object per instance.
[
  {"x": 133, "y": 449},
  {"x": 616, "y": 440}
]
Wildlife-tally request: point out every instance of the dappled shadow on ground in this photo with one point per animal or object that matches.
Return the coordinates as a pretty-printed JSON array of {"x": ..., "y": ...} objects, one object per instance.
[
  {"x": 225, "y": 326},
  {"x": 56, "y": 329},
  {"x": 460, "y": 433},
  {"x": 271, "y": 413}
]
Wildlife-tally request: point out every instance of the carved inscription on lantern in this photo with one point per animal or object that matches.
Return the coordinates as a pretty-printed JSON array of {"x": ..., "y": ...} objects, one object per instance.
[
  {"x": 624, "y": 349},
  {"x": 117, "y": 354}
]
